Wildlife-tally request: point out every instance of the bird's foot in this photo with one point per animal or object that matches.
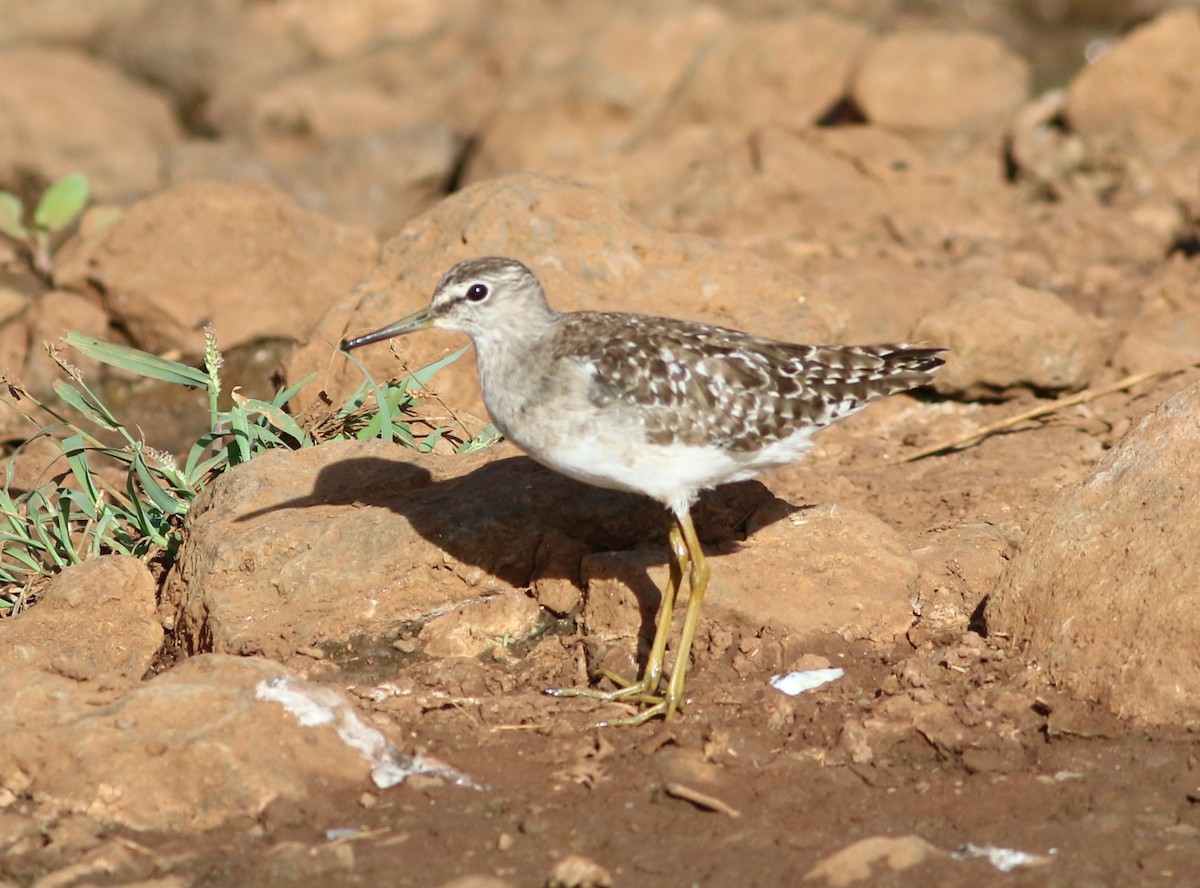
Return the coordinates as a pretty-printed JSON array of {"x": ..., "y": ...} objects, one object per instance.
[{"x": 642, "y": 692}]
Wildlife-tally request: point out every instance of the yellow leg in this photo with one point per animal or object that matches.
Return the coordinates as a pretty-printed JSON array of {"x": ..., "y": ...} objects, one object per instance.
[
  {"x": 652, "y": 674},
  {"x": 697, "y": 584},
  {"x": 645, "y": 689}
]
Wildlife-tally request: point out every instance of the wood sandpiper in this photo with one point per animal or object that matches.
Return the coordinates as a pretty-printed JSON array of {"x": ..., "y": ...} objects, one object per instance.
[{"x": 652, "y": 405}]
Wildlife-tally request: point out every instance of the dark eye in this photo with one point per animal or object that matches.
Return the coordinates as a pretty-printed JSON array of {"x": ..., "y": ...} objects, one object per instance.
[{"x": 477, "y": 293}]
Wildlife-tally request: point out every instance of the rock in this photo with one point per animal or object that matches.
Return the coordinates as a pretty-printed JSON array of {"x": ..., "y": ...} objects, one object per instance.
[
  {"x": 438, "y": 79},
  {"x": 588, "y": 92},
  {"x": 786, "y": 71},
  {"x": 333, "y": 32},
  {"x": 476, "y": 627},
  {"x": 577, "y": 871},
  {"x": 242, "y": 257},
  {"x": 95, "y": 619},
  {"x": 62, "y": 23},
  {"x": 477, "y": 881},
  {"x": 376, "y": 181},
  {"x": 960, "y": 568},
  {"x": 556, "y": 582},
  {"x": 821, "y": 570},
  {"x": 196, "y": 747},
  {"x": 955, "y": 85},
  {"x": 1004, "y": 336},
  {"x": 797, "y": 195},
  {"x": 1165, "y": 332},
  {"x": 881, "y": 297},
  {"x": 1142, "y": 97},
  {"x": 112, "y": 132},
  {"x": 587, "y": 251},
  {"x": 858, "y": 861},
  {"x": 619, "y": 585},
  {"x": 50, "y": 315},
  {"x": 1039, "y": 146},
  {"x": 1105, "y": 591},
  {"x": 200, "y": 47},
  {"x": 319, "y": 546}
]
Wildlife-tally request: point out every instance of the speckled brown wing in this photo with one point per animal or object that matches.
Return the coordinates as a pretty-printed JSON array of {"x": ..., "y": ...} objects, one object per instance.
[{"x": 708, "y": 386}]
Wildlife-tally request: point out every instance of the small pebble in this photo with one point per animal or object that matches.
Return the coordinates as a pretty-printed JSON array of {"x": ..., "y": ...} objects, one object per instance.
[{"x": 577, "y": 871}]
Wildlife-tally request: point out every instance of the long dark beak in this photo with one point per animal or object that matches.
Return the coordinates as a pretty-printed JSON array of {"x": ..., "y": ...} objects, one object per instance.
[{"x": 418, "y": 320}]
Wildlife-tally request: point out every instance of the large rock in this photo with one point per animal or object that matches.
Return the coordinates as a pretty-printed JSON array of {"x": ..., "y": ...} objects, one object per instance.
[
  {"x": 786, "y": 71},
  {"x": 377, "y": 181},
  {"x": 941, "y": 82},
  {"x": 811, "y": 573},
  {"x": 214, "y": 740},
  {"x": 1165, "y": 333},
  {"x": 588, "y": 91},
  {"x": 113, "y": 131},
  {"x": 95, "y": 619},
  {"x": 355, "y": 540},
  {"x": 201, "y": 46},
  {"x": 1003, "y": 336},
  {"x": 798, "y": 194},
  {"x": 348, "y": 546},
  {"x": 1143, "y": 96},
  {"x": 1105, "y": 591},
  {"x": 242, "y": 257}
]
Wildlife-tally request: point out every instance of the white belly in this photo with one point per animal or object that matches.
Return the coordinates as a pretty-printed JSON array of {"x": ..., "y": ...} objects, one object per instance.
[{"x": 672, "y": 474}]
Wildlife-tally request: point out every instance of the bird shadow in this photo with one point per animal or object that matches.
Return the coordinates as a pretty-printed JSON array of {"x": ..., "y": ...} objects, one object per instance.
[{"x": 519, "y": 521}]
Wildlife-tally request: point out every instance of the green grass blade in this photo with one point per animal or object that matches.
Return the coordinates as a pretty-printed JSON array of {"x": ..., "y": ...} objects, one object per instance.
[
  {"x": 278, "y": 418},
  {"x": 136, "y": 361},
  {"x": 162, "y": 499},
  {"x": 264, "y": 438},
  {"x": 76, "y": 453},
  {"x": 381, "y": 423},
  {"x": 62, "y": 533},
  {"x": 195, "y": 467},
  {"x": 90, "y": 408},
  {"x": 24, "y": 559},
  {"x": 18, "y": 537},
  {"x": 430, "y": 441},
  {"x": 239, "y": 436}
]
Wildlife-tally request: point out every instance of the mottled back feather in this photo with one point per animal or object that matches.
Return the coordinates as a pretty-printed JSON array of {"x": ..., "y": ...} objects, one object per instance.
[{"x": 702, "y": 385}]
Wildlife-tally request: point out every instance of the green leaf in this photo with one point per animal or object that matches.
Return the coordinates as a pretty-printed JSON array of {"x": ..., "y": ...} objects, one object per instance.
[
  {"x": 430, "y": 441},
  {"x": 24, "y": 539},
  {"x": 89, "y": 407},
  {"x": 11, "y": 214},
  {"x": 162, "y": 499},
  {"x": 277, "y": 418},
  {"x": 61, "y": 203},
  {"x": 485, "y": 437},
  {"x": 381, "y": 423},
  {"x": 76, "y": 451},
  {"x": 239, "y": 437},
  {"x": 196, "y": 466},
  {"x": 136, "y": 361},
  {"x": 30, "y": 563},
  {"x": 62, "y": 531},
  {"x": 267, "y": 437}
]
